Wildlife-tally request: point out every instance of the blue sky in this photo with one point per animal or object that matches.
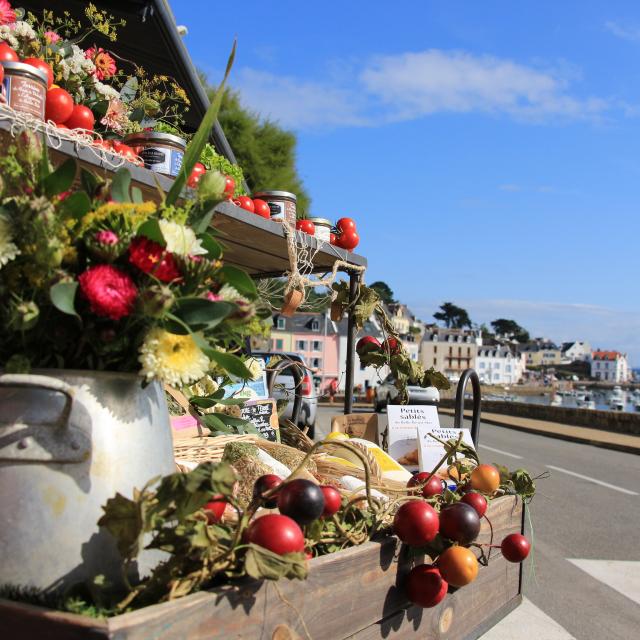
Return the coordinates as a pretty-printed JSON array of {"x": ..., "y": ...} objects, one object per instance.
[{"x": 489, "y": 151}]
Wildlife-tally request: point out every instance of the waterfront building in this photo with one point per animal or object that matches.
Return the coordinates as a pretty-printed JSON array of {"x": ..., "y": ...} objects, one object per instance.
[
  {"x": 497, "y": 364},
  {"x": 576, "y": 351},
  {"x": 449, "y": 351},
  {"x": 610, "y": 366},
  {"x": 541, "y": 353}
]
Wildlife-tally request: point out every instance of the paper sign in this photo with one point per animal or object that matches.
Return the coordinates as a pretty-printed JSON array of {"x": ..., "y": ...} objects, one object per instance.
[
  {"x": 402, "y": 436},
  {"x": 430, "y": 451},
  {"x": 249, "y": 389},
  {"x": 264, "y": 417}
]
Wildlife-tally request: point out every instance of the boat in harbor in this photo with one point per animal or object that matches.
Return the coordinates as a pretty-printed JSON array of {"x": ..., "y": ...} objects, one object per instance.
[{"x": 616, "y": 399}]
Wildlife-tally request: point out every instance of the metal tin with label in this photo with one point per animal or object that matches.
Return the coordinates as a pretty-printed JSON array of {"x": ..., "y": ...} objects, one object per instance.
[
  {"x": 282, "y": 205},
  {"x": 25, "y": 88},
  {"x": 323, "y": 229},
  {"x": 160, "y": 152}
]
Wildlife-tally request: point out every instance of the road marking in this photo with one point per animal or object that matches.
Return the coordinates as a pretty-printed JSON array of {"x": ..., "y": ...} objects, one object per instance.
[
  {"x": 504, "y": 453},
  {"x": 526, "y": 622},
  {"x": 588, "y": 479},
  {"x": 621, "y": 575}
]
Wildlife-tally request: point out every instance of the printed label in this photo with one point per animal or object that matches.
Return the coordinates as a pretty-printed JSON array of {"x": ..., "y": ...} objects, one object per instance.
[
  {"x": 25, "y": 95},
  {"x": 277, "y": 209},
  {"x": 162, "y": 160}
]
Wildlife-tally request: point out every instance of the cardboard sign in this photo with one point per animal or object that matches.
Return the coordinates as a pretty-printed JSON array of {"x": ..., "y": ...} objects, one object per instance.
[
  {"x": 357, "y": 425},
  {"x": 430, "y": 451},
  {"x": 264, "y": 417},
  {"x": 402, "y": 435}
]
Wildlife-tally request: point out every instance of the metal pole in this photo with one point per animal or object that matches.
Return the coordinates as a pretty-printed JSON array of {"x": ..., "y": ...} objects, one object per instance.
[{"x": 351, "y": 338}]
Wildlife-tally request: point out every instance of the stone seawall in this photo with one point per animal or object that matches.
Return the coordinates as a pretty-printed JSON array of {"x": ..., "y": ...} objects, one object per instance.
[{"x": 616, "y": 421}]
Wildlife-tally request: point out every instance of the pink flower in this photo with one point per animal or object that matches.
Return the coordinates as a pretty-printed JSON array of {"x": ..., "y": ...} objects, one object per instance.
[
  {"x": 52, "y": 37},
  {"x": 7, "y": 14},
  {"x": 106, "y": 237},
  {"x": 105, "y": 64},
  {"x": 116, "y": 116},
  {"x": 111, "y": 292},
  {"x": 214, "y": 297}
]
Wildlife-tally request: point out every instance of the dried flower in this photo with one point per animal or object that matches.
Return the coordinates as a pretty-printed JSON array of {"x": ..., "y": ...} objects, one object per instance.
[
  {"x": 110, "y": 291},
  {"x": 151, "y": 258}
]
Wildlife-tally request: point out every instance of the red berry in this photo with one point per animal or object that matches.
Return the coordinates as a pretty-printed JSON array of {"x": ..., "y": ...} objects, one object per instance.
[
  {"x": 515, "y": 547},
  {"x": 306, "y": 226},
  {"x": 433, "y": 487},
  {"x": 196, "y": 173},
  {"x": 346, "y": 224},
  {"x": 301, "y": 500},
  {"x": 367, "y": 344},
  {"x": 277, "y": 533},
  {"x": 215, "y": 508},
  {"x": 460, "y": 522},
  {"x": 425, "y": 586},
  {"x": 229, "y": 186},
  {"x": 266, "y": 483},
  {"x": 261, "y": 208},
  {"x": 416, "y": 523},
  {"x": 477, "y": 501},
  {"x": 244, "y": 202},
  {"x": 392, "y": 345},
  {"x": 332, "y": 500}
]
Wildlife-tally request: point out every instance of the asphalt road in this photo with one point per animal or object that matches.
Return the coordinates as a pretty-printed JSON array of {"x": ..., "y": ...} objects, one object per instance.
[{"x": 582, "y": 579}]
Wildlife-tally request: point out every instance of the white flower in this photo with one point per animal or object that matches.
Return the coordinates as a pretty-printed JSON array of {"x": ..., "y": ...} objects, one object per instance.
[
  {"x": 181, "y": 240},
  {"x": 76, "y": 64},
  {"x": 255, "y": 368},
  {"x": 24, "y": 30},
  {"x": 8, "y": 36},
  {"x": 229, "y": 293},
  {"x": 106, "y": 91},
  {"x": 8, "y": 250}
]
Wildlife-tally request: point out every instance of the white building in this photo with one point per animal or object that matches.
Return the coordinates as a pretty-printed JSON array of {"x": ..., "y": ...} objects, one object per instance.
[
  {"x": 497, "y": 364},
  {"x": 576, "y": 351},
  {"x": 610, "y": 366}
]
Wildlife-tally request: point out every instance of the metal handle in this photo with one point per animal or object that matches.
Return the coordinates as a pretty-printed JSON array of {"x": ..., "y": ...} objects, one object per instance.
[
  {"x": 297, "y": 382},
  {"x": 468, "y": 374}
]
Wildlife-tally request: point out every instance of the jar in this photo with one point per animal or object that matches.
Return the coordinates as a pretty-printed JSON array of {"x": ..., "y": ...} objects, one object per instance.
[
  {"x": 282, "y": 205},
  {"x": 160, "y": 152},
  {"x": 25, "y": 88},
  {"x": 323, "y": 229}
]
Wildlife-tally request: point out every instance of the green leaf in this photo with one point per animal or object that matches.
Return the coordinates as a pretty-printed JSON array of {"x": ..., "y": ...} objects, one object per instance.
[
  {"x": 215, "y": 424},
  {"x": 239, "y": 280},
  {"x": 151, "y": 229},
  {"x": 76, "y": 205},
  {"x": 200, "y": 313},
  {"x": 260, "y": 563},
  {"x": 239, "y": 425},
  {"x": 137, "y": 115},
  {"x": 213, "y": 247},
  {"x": 89, "y": 181},
  {"x": 63, "y": 296},
  {"x": 136, "y": 195},
  {"x": 202, "y": 224},
  {"x": 123, "y": 520},
  {"x": 120, "y": 185},
  {"x": 100, "y": 108},
  {"x": 199, "y": 140},
  {"x": 128, "y": 92},
  {"x": 61, "y": 179},
  {"x": 230, "y": 363}
]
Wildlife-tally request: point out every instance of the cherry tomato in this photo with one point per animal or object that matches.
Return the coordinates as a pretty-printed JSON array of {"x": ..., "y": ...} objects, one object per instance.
[
  {"x": 485, "y": 478},
  {"x": 332, "y": 500},
  {"x": 515, "y": 547},
  {"x": 7, "y": 54},
  {"x": 333, "y": 238},
  {"x": 460, "y": 522},
  {"x": 277, "y": 533},
  {"x": 433, "y": 487},
  {"x": 39, "y": 63},
  {"x": 229, "y": 186},
  {"x": 346, "y": 224},
  {"x": 425, "y": 586},
  {"x": 392, "y": 345},
  {"x": 348, "y": 240},
  {"x": 458, "y": 566},
  {"x": 301, "y": 500},
  {"x": 266, "y": 483},
  {"x": 196, "y": 173},
  {"x": 261, "y": 208},
  {"x": 477, "y": 501},
  {"x": 416, "y": 523},
  {"x": 215, "y": 508},
  {"x": 367, "y": 344},
  {"x": 245, "y": 202},
  {"x": 81, "y": 118},
  {"x": 58, "y": 106},
  {"x": 126, "y": 151},
  {"x": 306, "y": 226}
]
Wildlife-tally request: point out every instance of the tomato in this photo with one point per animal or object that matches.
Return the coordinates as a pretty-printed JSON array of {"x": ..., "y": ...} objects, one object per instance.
[
  {"x": 477, "y": 501},
  {"x": 418, "y": 479},
  {"x": 1, "y": 74},
  {"x": 433, "y": 487},
  {"x": 515, "y": 547},
  {"x": 416, "y": 523},
  {"x": 346, "y": 224},
  {"x": 261, "y": 208},
  {"x": 306, "y": 226},
  {"x": 425, "y": 586},
  {"x": 333, "y": 238},
  {"x": 458, "y": 566},
  {"x": 332, "y": 500},
  {"x": 229, "y": 186},
  {"x": 81, "y": 118},
  {"x": 485, "y": 478},
  {"x": 392, "y": 345},
  {"x": 215, "y": 508},
  {"x": 301, "y": 500},
  {"x": 126, "y": 151},
  {"x": 39, "y": 63},
  {"x": 7, "y": 54},
  {"x": 244, "y": 202},
  {"x": 58, "y": 105},
  {"x": 266, "y": 483},
  {"x": 196, "y": 173},
  {"x": 348, "y": 240},
  {"x": 366, "y": 344},
  {"x": 460, "y": 522},
  {"x": 277, "y": 533}
]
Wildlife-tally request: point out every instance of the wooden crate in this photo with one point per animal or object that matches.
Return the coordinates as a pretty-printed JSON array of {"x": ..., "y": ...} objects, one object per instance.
[{"x": 352, "y": 594}]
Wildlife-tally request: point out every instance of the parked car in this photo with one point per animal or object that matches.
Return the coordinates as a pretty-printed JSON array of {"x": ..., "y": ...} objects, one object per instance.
[
  {"x": 284, "y": 388},
  {"x": 386, "y": 393}
]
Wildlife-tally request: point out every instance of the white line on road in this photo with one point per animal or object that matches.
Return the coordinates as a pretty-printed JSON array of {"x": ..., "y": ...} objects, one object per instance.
[
  {"x": 621, "y": 575},
  {"x": 588, "y": 479},
  {"x": 504, "y": 453}
]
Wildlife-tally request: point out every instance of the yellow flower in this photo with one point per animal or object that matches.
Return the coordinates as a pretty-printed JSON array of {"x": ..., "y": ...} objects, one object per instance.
[{"x": 171, "y": 358}]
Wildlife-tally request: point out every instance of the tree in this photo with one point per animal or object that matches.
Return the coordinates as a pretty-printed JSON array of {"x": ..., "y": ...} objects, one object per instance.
[
  {"x": 453, "y": 317},
  {"x": 510, "y": 329},
  {"x": 265, "y": 151},
  {"x": 384, "y": 291}
]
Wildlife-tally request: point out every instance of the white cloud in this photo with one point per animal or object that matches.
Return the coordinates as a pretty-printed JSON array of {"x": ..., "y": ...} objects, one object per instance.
[
  {"x": 510, "y": 187},
  {"x": 415, "y": 85},
  {"x": 623, "y": 31}
]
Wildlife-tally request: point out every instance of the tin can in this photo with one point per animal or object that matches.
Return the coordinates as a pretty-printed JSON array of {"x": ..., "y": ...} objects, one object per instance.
[
  {"x": 160, "y": 152},
  {"x": 25, "y": 88},
  {"x": 282, "y": 205},
  {"x": 323, "y": 229}
]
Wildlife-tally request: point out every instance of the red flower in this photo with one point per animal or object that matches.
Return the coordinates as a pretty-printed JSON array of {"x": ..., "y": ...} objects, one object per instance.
[
  {"x": 105, "y": 64},
  {"x": 111, "y": 292},
  {"x": 7, "y": 14},
  {"x": 151, "y": 258}
]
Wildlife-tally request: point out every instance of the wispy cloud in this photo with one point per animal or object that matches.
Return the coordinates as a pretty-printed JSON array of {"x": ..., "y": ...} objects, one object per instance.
[
  {"x": 626, "y": 32},
  {"x": 415, "y": 85},
  {"x": 510, "y": 187}
]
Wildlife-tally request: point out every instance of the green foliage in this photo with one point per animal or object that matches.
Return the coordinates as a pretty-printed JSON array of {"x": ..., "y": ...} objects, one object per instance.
[
  {"x": 452, "y": 316},
  {"x": 510, "y": 329},
  {"x": 384, "y": 291}
]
